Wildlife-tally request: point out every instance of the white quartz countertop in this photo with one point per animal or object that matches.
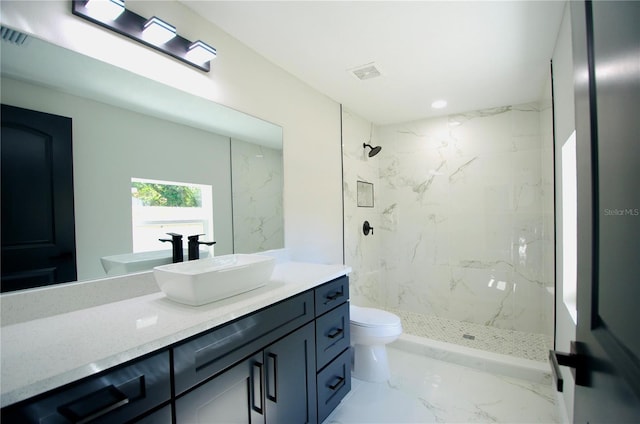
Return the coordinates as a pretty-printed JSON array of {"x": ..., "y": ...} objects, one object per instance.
[{"x": 45, "y": 353}]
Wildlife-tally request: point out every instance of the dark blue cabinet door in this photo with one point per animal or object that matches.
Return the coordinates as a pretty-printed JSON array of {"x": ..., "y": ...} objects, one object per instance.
[{"x": 290, "y": 378}]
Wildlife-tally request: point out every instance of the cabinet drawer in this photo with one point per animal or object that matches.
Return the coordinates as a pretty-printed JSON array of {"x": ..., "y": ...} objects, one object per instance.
[
  {"x": 331, "y": 294},
  {"x": 334, "y": 382},
  {"x": 211, "y": 353},
  {"x": 116, "y": 396},
  {"x": 332, "y": 334}
]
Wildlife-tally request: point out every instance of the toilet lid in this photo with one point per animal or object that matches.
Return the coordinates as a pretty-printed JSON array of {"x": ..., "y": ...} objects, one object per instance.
[{"x": 370, "y": 317}]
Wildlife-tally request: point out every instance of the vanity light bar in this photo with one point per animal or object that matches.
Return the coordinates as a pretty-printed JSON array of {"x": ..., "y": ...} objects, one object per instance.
[{"x": 197, "y": 54}]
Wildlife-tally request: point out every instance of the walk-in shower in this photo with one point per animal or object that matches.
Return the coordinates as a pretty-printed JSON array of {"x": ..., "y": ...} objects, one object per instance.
[{"x": 463, "y": 249}]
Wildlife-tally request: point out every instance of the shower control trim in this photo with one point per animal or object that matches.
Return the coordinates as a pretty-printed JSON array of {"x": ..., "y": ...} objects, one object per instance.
[{"x": 366, "y": 228}]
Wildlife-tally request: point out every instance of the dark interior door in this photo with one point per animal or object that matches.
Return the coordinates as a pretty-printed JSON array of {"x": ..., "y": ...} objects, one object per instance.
[
  {"x": 606, "y": 42},
  {"x": 38, "y": 229}
]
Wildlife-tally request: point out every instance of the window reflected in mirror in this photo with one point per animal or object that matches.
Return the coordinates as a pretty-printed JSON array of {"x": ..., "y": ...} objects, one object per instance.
[{"x": 161, "y": 207}]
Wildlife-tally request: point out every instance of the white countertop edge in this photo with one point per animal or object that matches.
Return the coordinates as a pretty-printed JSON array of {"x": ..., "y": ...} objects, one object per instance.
[{"x": 18, "y": 383}]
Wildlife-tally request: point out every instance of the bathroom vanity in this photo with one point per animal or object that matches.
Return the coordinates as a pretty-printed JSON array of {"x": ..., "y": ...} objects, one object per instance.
[{"x": 277, "y": 354}]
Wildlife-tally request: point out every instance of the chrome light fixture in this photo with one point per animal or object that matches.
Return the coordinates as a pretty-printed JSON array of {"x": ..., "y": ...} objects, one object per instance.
[{"x": 154, "y": 32}]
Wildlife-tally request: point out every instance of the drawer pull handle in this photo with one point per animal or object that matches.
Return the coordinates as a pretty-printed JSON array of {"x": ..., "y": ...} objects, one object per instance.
[
  {"x": 256, "y": 387},
  {"x": 93, "y": 405},
  {"x": 335, "y": 333},
  {"x": 272, "y": 377},
  {"x": 333, "y": 296},
  {"x": 339, "y": 383}
]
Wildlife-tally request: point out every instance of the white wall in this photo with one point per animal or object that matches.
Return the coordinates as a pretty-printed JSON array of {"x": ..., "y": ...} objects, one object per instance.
[
  {"x": 240, "y": 79},
  {"x": 112, "y": 145}
]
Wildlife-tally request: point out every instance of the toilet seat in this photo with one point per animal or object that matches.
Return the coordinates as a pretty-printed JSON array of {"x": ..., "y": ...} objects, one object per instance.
[{"x": 370, "y": 317}]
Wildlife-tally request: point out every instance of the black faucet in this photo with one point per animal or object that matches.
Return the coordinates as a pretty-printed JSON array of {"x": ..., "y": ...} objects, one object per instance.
[
  {"x": 194, "y": 246},
  {"x": 176, "y": 241}
]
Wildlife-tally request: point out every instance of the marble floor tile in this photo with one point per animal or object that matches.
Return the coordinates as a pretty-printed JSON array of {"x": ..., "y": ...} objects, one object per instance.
[{"x": 426, "y": 390}]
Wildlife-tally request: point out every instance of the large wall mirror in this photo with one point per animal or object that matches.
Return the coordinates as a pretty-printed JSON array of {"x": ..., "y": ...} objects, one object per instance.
[{"x": 128, "y": 127}]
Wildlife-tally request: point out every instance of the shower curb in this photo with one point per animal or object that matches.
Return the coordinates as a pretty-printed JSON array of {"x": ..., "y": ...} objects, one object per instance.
[{"x": 525, "y": 369}]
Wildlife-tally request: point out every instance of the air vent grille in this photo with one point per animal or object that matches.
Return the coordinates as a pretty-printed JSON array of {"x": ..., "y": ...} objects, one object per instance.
[
  {"x": 14, "y": 37},
  {"x": 365, "y": 72}
]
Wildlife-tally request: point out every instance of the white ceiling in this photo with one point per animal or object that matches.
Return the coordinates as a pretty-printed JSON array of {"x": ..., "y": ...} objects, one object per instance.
[{"x": 475, "y": 54}]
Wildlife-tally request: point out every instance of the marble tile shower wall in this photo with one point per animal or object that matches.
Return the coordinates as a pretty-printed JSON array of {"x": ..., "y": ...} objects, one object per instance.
[
  {"x": 258, "y": 219},
  {"x": 465, "y": 218}
]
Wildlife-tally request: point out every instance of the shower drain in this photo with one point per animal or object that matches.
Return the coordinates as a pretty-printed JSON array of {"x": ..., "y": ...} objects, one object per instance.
[{"x": 468, "y": 336}]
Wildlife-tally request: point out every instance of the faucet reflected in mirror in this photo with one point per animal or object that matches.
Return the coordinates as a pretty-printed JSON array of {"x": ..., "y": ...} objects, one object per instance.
[
  {"x": 193, "y": 246},
  {"x": 176, "y": 242}
]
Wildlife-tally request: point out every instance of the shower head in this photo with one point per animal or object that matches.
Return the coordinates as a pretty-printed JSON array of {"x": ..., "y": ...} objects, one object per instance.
[{"x": 374, "y": 150}]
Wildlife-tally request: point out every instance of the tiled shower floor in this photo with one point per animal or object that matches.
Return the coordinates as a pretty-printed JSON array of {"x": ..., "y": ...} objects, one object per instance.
[{"x": 508, "y": 342}]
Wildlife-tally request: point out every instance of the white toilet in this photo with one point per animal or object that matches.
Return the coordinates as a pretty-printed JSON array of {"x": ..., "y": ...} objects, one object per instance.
[{"x": 371, "y": 329}]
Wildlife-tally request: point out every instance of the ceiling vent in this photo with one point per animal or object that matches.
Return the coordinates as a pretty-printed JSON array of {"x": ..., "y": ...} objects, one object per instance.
[
  {"x": 365, "y": 72},
  {"x": 14, "y": 37}
]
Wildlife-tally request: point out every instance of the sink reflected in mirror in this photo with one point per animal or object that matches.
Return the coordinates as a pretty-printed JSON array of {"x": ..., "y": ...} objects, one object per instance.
[
  {"x": 207, "y": 280},
  {"x": 141, "y": 261}
]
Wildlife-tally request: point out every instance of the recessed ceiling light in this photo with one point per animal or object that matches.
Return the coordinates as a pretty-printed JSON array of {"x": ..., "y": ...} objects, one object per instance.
[{"x": 439, "y": 104}]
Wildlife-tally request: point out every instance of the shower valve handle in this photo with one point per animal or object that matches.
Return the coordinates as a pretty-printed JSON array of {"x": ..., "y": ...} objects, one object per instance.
[{"x": 366, "y": 227}]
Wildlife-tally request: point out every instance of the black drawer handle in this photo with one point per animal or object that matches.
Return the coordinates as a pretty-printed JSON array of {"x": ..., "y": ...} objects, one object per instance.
[
  {"x": 93, "y": 405},
  {"x": 333, "y": 296},
  {"x": 272, "y": 377},
  {"x": 335, "y": 333},
  {"x": 339, "y": 383},
  {"x": 256, "y": 387}
]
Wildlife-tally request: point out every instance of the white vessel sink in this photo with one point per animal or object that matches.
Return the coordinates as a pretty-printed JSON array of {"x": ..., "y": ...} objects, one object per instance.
[
  {"x": 207, "y": 280},
  {"x": 142, "y": 261}
]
